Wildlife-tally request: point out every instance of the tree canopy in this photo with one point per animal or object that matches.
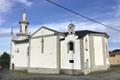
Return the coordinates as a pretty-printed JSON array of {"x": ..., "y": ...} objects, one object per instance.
[{"x": 5, "y": 60}]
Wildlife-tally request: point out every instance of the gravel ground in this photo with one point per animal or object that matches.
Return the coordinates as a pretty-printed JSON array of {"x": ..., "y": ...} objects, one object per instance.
[{"x": 112, "y": 74}]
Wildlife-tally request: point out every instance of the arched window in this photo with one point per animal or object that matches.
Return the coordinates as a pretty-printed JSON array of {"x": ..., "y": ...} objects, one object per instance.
[
  {"x": 42, "y": 45},
  {"x": 28, "y": 50},
  {"x": 70, "y": 46},
  {"x": 25, "y": 28},
  {"x": 86, "y": 44}
]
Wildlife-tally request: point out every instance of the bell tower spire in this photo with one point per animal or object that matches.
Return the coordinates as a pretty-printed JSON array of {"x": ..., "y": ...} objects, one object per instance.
[{"x": 24, "y": 24}]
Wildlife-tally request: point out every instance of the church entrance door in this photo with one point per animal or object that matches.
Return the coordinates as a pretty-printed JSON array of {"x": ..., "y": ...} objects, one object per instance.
[{"x": 13, "y": 66}]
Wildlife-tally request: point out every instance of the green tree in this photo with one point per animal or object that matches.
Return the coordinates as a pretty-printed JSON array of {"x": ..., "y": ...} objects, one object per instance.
[{"x": 5, "y": 60}]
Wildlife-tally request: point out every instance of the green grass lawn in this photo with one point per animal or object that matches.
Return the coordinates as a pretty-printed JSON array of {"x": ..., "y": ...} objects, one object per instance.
[{"x": 22, "y": 73}]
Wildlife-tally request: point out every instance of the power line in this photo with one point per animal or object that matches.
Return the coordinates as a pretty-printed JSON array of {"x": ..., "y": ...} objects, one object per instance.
[{"x": 82, "y": 15}]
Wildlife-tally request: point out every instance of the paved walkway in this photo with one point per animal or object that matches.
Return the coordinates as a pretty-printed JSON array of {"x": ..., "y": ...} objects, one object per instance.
[{"x": 113, "y": 74}]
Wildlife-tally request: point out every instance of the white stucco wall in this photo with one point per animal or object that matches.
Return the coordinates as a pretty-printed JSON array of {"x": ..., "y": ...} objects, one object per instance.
[
  {"x": 20, "y": 58},
  {"x": 86, "y": 52},
  {"x": 47, "y": 58},
  {"x": 98, "y": 50},
  {"x": 66, "y": 56}
]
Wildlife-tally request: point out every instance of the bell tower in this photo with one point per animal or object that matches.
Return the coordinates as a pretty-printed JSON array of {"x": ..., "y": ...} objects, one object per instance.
[
  {"x": 24, "y": 24},
  {"x": 71, "y": 29}
]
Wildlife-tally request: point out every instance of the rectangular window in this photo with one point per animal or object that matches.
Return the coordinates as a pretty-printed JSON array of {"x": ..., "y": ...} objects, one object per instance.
[
  {"x": 71, "y": 61},
  {"x": 17, "y": 50}
]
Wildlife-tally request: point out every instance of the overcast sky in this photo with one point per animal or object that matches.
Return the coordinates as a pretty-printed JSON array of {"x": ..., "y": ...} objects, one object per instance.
[{"x": 42, "y": 13}]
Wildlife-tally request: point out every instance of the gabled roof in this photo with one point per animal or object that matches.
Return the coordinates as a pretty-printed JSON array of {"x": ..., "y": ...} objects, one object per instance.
[
  {"x": 82, "y": 33},
  {"x": 44, "y": 28}
]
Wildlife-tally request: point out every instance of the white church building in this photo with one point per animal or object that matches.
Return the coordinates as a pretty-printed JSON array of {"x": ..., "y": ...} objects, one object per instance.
[{"x": 48, "y": 51}]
